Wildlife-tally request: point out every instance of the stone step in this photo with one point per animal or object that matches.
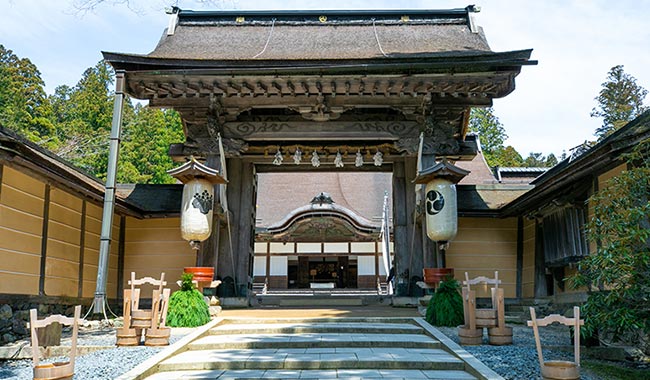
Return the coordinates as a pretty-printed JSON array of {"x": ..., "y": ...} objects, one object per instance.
[
  {"x": 310, "y": 340},
  {"x": 349, "y": 374},
  {"x": 314, "y": 358},
  {"x": 320, "y": 301},
  {"x": 300, "y": 328}
]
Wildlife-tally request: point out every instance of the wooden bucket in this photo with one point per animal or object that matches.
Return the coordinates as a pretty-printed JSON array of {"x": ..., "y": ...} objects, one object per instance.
[
  {"x": 433, "y": 276},
  {"x": 157, "y": 337},
  {"x": 141, "y": 319},
  {"x": 500, "y": 336},
  {"x": 470, "y": 337},
  {"x": 52, "y": 371},
  {"x": 201, "y": 274},
  {"x": 560, "y": 370},
  {"x": 486, "y": 318},
  {"x": 128, "y": 337}
]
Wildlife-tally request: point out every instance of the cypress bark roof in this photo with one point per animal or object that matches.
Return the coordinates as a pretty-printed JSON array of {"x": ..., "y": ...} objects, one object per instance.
[
  {"x": 301, "y": 35},
  {"x": 284, "y": 38}
]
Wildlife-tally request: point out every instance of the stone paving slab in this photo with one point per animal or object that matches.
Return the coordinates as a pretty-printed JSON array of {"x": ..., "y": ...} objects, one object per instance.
[
  {"x": 317, "y": 358},
  {"x": 308, "y": 340},
  {"x": 349, "y": 374}
]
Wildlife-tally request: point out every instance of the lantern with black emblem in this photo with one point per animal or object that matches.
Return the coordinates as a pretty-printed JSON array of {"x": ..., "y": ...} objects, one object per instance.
[
  {"x": 440, "y": 199},
  {"x": 198, "y": 199}
]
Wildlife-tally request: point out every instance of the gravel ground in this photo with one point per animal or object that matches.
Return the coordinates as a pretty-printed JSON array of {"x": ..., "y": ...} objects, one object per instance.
[
  {"x": 99, "y": 365},
  {"x": 518, "y": 361}
]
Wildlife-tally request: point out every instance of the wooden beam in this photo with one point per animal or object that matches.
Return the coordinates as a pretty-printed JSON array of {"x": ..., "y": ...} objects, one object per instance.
[
  {"x": 44, "y": 234},
  {"x": 121, "y": 254},
  {"x": 520, "y": 257},
  {"x": 540, "y": 266},
  {"x": 400, "y": 232},
  {"x": 82, "y": 248}
]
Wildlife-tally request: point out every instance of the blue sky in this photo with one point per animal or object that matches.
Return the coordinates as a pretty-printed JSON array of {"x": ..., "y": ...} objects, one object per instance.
[{"x": 575, "y": 42}]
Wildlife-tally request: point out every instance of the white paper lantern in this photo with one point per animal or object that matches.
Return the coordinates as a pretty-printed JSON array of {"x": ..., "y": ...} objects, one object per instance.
[
  {"x": 196, "y": 210},
  {"x": 440, "y": 209}
]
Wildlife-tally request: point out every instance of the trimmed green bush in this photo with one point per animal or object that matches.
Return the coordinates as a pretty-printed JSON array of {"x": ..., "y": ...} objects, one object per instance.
[
  {"x": 446, "y": 305},
  {"x": 186, "y": 306}
]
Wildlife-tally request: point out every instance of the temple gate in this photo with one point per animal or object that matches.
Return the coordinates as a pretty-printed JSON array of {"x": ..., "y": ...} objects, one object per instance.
[{"x": 310, "y": 91}]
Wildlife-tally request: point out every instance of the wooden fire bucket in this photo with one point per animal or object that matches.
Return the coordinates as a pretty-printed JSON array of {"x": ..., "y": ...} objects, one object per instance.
[
  {"x": 560, "y": 370},
  {"x": 500, "y": 336},
  {"x": 141, "y": 319},
  {"x": 52, "y": 371},
  {"x": 201, "y": 274},
  {"x": 157, "y": 337},
  {"x": 433, "y": 276},
  {"x": 486, "y": 318},
  {"x": 128, "y": 337},
  {"x": 470, "y": 337}
]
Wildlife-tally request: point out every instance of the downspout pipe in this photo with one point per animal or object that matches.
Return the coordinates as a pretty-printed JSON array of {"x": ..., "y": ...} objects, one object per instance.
[{"x": 109, "y": 195}]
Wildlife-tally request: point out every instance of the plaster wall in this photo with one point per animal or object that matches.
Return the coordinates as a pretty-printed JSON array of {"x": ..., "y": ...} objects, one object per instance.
[
  {"x": 528, "y": 274},
  {"x": 71, "y": 246},
  {"x": 21, "y": 226},
  {"x": 153, "y": 246},
  {"x": 483, "y": 246}
]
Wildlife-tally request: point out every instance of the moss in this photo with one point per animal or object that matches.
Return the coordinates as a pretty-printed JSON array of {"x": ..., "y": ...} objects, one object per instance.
[{"x": 613, "y": 371}]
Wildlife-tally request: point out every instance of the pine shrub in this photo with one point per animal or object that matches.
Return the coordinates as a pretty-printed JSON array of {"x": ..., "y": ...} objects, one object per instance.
[
  {"x": 446, "y": 305},
  {"x": 186, "y": 306}
]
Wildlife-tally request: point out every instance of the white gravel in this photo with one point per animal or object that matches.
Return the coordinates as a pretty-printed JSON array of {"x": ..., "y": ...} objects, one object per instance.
[{"x": 99, "y": 365}]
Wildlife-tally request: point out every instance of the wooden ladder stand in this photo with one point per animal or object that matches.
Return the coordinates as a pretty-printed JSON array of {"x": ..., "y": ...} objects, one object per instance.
[
  {"x": 558, "y": 369},
  {"x": 59, "y": 370},
  {"x": 152, "y": 321},
  {"x": 476, "y": 319}
]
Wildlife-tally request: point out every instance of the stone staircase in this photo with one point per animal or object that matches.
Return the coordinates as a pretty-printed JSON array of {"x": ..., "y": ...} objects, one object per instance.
[
  {"x": 325, "y": 348},
  {"x": 320, "y": 297}
]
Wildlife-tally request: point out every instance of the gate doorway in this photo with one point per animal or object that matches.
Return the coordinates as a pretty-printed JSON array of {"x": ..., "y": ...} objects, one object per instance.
[{"x": 325, "y": 234}]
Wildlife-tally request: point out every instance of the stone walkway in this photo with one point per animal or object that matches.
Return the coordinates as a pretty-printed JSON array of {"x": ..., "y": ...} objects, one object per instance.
[{"x": 318, "y": 348}]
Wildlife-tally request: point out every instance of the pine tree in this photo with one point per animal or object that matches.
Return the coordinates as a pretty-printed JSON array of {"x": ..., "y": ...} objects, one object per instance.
[
  {"x": 492, "y": 135},
  {"x": 620, "y": 100}
]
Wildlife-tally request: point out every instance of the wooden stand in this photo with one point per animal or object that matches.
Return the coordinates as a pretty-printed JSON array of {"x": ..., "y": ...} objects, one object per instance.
[
  {"x": 492, "y": 318},
  {"x": 557, "y": 369},
  {"x": 152, "y": 322},
  {"x": 59, "y": 370}
]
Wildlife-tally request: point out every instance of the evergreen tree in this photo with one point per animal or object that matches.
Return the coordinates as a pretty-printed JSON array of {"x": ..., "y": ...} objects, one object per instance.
[
  {"x": 84, "y": 114},
  {"x": 492, "y": 135},
  {"x": 535, "y": 160},
  {"x": 24, "y": 107},
  {"x": 144, "y": 154},
  {"x": 620, "y": 100},
  {"x": 490, "y": 131},
  {"x": 551, "y": 160},
  {"x": 509, "y": 157}
]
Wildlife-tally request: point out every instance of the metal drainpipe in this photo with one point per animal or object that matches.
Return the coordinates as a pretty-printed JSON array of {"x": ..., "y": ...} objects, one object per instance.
[{"x": 109, "y": 195}]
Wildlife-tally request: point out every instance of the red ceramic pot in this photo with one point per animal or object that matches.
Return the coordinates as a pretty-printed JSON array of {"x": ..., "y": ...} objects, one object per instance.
[
  {"x": 201, "y": 274},
  {"x": 433, "y": 276}
]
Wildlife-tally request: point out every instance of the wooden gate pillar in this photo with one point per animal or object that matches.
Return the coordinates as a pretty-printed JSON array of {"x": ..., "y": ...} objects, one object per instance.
[
  {"x": 235, "y": 245},
  {"x": 414, "y": 232},
  {"x": 408, "y": 246}
]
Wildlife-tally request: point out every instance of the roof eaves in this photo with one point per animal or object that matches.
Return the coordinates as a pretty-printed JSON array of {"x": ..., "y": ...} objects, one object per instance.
[
  {"x": 460, "y": 61},
  {"x": 592, "y": 160}
]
